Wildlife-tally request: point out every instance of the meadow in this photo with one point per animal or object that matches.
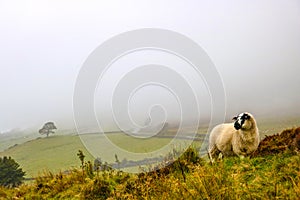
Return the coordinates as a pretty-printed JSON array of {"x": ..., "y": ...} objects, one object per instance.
[
  {"x": 54, "y": 153},
  {"x": 58, "y": 151},
  {"x": 58, "y": 173},
  {"x": 189, "y": 177}
]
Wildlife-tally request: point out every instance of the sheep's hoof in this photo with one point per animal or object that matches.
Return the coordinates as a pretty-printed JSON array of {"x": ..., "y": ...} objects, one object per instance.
[{"x": 220, "y": 156}]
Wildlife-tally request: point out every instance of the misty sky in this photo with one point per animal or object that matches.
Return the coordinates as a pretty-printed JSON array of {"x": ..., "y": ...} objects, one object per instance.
[{"x": 255, "y": 46}]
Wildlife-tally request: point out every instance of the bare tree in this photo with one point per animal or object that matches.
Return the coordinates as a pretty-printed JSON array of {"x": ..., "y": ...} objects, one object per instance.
[{"x": 47, "y": 128}]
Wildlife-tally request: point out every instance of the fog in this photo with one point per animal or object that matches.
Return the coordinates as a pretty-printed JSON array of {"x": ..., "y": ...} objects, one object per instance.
[{"x": 43, "y": 44}]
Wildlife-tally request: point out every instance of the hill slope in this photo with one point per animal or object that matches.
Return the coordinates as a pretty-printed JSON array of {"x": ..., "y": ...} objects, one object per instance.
[
  {"x": 54, "y": 153},
  {"x": 270, "y": 177},
  {"x": 59, "y": 152}
]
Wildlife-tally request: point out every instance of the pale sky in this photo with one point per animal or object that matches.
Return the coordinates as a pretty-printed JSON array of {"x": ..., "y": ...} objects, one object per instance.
[{"x": 255, "y": 46}]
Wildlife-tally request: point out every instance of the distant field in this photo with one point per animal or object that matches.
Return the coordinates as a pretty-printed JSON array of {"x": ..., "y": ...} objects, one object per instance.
[
  {"x": 58, "y": 152},
  {"x": 272, "y": 126},
  {"x": 140, "y": 145},
  {"x": 131, "y": 148},
  {"x": 54, "y": 153},
  {"x": 19, "y": 137},
  {"x": 9, "y": 141}
]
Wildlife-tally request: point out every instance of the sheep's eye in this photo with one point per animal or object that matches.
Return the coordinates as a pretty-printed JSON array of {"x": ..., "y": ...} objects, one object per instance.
[{"x": 246, "y": 117}]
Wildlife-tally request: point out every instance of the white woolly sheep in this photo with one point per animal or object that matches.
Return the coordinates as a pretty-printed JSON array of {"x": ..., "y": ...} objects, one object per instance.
[{"x": 240, "y": 138}]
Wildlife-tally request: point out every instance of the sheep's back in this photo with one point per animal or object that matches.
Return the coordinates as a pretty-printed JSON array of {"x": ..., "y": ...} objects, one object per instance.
[{"x": 221, "y": 135}]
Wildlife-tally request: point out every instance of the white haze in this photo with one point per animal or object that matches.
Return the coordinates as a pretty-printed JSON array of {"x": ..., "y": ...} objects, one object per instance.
[{"x": 255, "y": 45}]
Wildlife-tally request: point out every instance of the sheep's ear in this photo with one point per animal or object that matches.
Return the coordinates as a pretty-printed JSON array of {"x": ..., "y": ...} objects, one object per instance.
[{"x": 234, "y": 118}]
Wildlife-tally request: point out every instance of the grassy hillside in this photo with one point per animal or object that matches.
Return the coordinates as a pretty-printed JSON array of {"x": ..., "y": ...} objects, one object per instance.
[
  {"x": 274, "y": 174},
  {"x": 54, "y": 153},
  {"x": 271, "y": 177},
  {"x": 58, "y": 152},
  {"x": 10, "y": 139}
]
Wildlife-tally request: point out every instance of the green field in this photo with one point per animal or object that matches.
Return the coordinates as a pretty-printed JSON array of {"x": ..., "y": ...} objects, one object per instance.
[
  {"x": 58, "y": 152},
  {"x": 54, "y": 153},
  {"x": 273, "y": 176},
  {"x": 189, "y": 177},
  {"x": 138, "y": 145}
]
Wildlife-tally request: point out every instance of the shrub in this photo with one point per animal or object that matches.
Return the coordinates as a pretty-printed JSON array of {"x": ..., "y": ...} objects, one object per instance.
[{"x": 10, "y": 173}]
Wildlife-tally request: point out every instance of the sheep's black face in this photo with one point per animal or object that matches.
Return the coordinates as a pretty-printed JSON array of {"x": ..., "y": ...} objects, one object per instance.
[
  {"x": 241, "y": 120},
  {"x": 237, "y": 126}
]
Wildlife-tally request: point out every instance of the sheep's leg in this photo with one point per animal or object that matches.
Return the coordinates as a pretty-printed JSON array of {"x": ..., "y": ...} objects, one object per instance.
[
  {"x": 214, "y": 153},
  {"x": 210, "y": 157}
]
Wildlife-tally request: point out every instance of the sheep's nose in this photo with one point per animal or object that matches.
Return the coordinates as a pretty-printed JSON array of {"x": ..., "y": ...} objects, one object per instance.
[{"x": 237, "y": 126}]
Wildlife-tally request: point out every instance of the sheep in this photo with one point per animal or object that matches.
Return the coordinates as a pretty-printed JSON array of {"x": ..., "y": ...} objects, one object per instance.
[{"x": 240, "y": 138}]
